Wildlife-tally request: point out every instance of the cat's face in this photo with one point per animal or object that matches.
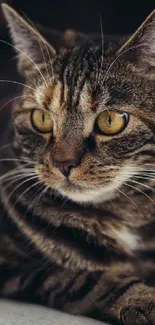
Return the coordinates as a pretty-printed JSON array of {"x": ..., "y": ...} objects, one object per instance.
[{"x": 85, "y": 119}]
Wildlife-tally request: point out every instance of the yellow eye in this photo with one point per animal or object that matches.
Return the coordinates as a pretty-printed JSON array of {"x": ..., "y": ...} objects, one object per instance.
[
  {"x": 111, "y": 123},
  {"x": 41, "y": 121}
]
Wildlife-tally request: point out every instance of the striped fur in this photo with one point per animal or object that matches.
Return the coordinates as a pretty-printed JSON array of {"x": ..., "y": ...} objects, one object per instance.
[{"x": 87, "y": 247}]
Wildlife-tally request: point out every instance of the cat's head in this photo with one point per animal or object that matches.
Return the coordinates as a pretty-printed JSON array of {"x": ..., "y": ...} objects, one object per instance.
[{"x": 87, "y": 114}]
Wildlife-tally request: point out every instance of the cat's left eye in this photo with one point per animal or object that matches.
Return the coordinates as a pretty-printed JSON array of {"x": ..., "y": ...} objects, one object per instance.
[
  {"x": 112, "y": 122},
  {"x": 41, "y": 121}
]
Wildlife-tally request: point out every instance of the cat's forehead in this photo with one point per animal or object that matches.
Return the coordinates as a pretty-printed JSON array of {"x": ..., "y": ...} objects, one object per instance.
[
  {"x": 59, "y": 97},
  {"x": 76, "y": 82},
  {"x": 84, "y": 81}
]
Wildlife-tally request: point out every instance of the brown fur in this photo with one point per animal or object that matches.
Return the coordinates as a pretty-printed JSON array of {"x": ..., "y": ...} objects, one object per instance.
[{"x": 83, "y": 243}]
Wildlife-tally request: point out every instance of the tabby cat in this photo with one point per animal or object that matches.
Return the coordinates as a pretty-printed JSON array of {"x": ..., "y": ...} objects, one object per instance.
[{"x": 77, "y": 228}]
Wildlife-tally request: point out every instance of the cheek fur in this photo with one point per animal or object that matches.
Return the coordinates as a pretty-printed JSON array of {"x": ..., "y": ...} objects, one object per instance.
[{"x": 31, "y": 143}]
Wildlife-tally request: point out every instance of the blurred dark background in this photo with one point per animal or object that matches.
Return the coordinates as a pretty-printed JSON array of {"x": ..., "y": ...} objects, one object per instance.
[{"x": 118, "y": 16}]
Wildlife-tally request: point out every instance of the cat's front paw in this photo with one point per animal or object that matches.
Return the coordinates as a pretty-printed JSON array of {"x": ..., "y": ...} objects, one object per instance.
[
  {"x": 139, "y": 309},
  {"x": 132, "y": 315}
]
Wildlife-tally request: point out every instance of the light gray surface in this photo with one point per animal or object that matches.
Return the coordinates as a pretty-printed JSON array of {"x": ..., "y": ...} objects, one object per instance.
[{"x": 12, "y": 313}]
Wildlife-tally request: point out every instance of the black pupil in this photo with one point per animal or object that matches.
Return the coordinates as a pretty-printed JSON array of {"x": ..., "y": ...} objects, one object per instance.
[
  {"x": 109, "y": 120},
  {"x": 43, "y": 118}
]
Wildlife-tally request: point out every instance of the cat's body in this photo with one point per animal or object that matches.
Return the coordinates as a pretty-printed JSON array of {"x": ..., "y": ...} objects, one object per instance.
[{"x": 77, "y": 228}]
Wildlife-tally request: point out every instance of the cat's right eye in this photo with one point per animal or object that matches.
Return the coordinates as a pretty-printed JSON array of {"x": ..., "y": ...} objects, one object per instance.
[
  {"x": 41, "y": 121},
  {"x": 110, "y": 123}
]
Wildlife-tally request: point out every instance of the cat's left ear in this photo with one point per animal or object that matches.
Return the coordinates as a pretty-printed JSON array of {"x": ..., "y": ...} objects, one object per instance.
[
  {"x": 140, "y": 48},
  {"x": 31, "y": 47}
]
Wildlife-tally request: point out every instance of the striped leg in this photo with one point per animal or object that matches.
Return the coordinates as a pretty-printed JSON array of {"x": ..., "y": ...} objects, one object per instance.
[
  {"x": 132, "y": 305},
  {"x": 113, "y": 299},
  {"x": 124, "y": 301}
]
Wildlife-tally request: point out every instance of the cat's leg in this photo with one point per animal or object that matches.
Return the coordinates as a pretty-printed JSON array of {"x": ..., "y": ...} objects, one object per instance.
[
  {"x": 118, "y": 300},
  {"x": 131, "y": 304},
  {"x": 114, "y": 299},
  {"x": 135, "y": 307}
]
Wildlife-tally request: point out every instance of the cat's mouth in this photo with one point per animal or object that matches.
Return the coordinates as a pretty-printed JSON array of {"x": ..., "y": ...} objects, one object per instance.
[
  {"x": 69, "y": 185},
  {"x": 83, "y": 193}
]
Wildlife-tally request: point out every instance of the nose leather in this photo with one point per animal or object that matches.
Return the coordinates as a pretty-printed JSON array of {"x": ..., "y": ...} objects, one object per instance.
[{"x": 65, "y": 166}]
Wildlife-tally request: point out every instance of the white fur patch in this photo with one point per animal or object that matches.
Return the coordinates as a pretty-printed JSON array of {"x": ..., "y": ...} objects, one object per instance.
[
  {"x": 91, "y": 196},
  {"x": 101, "y": 194},
  {"x": 130, "y": 240}
]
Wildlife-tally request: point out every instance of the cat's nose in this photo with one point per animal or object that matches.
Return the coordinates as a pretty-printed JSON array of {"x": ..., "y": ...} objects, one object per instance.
[{"x": 65, "y": 166}]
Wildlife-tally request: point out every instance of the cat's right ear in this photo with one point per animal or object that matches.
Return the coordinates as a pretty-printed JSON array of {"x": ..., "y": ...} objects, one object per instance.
[
  {"x": 32, "y": 49},
  {"x": 140, "y": 48}
]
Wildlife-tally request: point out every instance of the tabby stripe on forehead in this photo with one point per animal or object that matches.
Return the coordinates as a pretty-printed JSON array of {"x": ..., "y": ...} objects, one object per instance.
[
  {"x": 64, "y": 72},
  {"x": 81, "y": 85},
  {"x": 64, "y": 64},
  {"x": 62, "y": 95},
  {"x": 82, "y": 78},
  {"x": 72, "y": 79}
]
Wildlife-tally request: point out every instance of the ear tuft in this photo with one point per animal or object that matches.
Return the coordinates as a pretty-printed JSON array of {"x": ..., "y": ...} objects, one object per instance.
[
  {"x": 140, "y": 48},
  {"x": 31, "y": 47}
]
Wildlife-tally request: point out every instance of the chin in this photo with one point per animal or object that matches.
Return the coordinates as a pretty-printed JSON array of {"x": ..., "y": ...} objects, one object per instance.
[{"x": 91, "y": 196}]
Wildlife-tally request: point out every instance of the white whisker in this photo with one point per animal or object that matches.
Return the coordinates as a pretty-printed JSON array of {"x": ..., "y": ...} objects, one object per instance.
[
  {"x": 35, "y": 199},
  {"x": 147, "y": 186},
  {"x": 114, "y": 61},
  {"x": 121, "y": 192},
  {"x": 137, "y": 189},
  {"x": 17, "y": 159},
  {"x": 18, "y": 177},
  {"x": 40, "y": 38},
  {"x": 11, "y": 100},
  {"x": 22, "y": 183},
  {"x": 102, "y": 56},
  {"x": 34, "y": 64},
  {"x": 35, "y": 184},
  {"x": 15, "y": 171},
  {"x": 21, "y": 84}
]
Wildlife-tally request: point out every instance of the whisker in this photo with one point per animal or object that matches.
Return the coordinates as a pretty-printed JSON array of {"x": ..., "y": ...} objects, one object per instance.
[
  {"x": 147, "y": 176},
  {"x": 11, "y": 100},
  {"x": 102, "y": 39},
  {"x": 34, "y": 198},
  {"x": 147, "y": 186},
  {"x": 44, "y": 43},
  {"x": 30, "y": 187},
  {"x": 21, "y": 84},
  {"x": 96, "y": 67},
  {"x": 38, "y": 196},
  {"x": 137, "y": 189},
  {"x": 141, "y": 169},
  {"x": 114, "y": 61},
  {"x": 22, "y": 183},
  {"x": 18, "y": 159},
  {"x": 34, "y": 64},
  {"x": 121, "y": 192},
  {"x": 14, "y": 178},
  {"x": 15, "y": 171}
]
